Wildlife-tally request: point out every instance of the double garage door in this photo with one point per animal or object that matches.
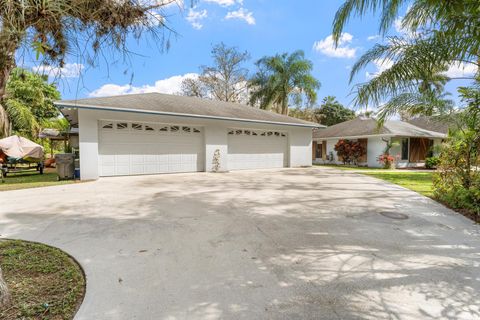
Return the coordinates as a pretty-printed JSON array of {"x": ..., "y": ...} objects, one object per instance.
[{"x": 131, "y": 148}]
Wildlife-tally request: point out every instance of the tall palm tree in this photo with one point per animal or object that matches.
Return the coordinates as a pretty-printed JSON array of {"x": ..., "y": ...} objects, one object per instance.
[
  {"x": 419, "y": 61},
  {"x": 282, "y": 78}
]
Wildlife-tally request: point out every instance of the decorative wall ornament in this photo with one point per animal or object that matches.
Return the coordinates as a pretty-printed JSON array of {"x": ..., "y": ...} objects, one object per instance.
[{"x": 216, "y": 161}]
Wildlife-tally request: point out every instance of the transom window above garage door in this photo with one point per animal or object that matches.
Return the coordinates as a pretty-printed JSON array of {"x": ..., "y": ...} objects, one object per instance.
[
  {"x": 259, "y": 133},
  {"x": 125, "y": 126}
]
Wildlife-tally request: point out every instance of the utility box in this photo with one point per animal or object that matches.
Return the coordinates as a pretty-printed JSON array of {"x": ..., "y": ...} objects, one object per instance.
[{"x": 65, "y": 165}]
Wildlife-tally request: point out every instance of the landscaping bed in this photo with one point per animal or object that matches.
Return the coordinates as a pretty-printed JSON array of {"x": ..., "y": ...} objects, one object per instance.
[{"x": 44, "y": 282}]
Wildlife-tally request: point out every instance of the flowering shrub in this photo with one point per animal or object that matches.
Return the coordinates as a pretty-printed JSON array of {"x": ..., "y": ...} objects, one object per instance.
[
  {"x": 386, "y": 160},
  {"x": 349, "y": 151}
]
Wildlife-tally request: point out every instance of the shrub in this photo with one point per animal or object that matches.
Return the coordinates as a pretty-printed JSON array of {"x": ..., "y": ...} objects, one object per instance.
[
  {"x": 432, "y": 162},
  {"x": 349, "y": 151},
  {"x": 386, "y": 160}
]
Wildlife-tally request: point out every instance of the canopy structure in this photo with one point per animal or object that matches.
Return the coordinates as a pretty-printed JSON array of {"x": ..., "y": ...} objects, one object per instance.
[{"x": 20, "y": 148}]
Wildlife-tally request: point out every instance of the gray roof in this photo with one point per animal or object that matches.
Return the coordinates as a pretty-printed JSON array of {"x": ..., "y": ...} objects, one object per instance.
[
  {"x": 431, "y": 124},
  {"x": 165, "y": 104},
  {"x": 362, "y": 126}
]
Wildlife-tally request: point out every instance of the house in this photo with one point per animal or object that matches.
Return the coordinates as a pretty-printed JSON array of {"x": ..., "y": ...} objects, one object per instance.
[
  {"x": 412, "y": 144},
  {"x": 159, "y": 133}
]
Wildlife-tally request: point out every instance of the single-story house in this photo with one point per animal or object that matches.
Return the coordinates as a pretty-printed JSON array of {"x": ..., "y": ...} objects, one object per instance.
[
  {"x": 158, "y": 133},
  {"x": 412, "y": 144}
]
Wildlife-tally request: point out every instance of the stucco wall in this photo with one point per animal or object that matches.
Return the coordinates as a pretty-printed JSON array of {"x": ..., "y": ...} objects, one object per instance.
[
  {"x": 375, "y": 148},
  {"x": 215, "y": 137}
]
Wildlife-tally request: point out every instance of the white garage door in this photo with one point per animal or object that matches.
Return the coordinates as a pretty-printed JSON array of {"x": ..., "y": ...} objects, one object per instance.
[
  {"x": 129, "y": 148},
  {"x": 256, "y": 149}
]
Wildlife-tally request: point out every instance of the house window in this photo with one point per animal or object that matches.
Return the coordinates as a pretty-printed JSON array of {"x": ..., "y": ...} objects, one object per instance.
[
  {"x": 149, "y": 128},
  {"x": 405, "y": 149},
  {"x": 108, "y": 126},
  {"x": 137, "y": 126},
  {"x": 186, "y": 129},
  {"x": 174, "y": 128},
  {"x": 122, "y": 126},
  {"x": 318, "y": 151}
]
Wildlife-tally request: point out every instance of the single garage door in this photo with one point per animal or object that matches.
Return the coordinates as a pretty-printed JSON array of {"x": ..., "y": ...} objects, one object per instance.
[
  {"x": 256, "y": 149},
  {"x": 130, "y": 148}
]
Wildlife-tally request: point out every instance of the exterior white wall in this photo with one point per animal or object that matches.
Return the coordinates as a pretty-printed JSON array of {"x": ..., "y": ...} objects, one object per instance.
[
  {"x": 216, "y": 138},
  {"x": 215, "y": 135},
  {"x": 300, "y": 147},
  {"x": 88, "y": 144},
  {"x": 375, "y": 148}
]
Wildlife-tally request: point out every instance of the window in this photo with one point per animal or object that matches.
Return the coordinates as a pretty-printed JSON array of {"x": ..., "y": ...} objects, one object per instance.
[
  {"x": 148, "y": 128},
  {"x": 122, "y": 126},
  {"x": 230, "y": 132},
  {"x": 247, "y": 132},
  {"x": 164, "y": 129},
  {"x": 186, "y": 129},
  {"x": 283, "y": 134},
  {"x": 405, "y": 149},
  {"x": 174, "y": 128},
  {"x": 318, "y": 151},
  {"x": 108, "y": 126},
  {"x": 238, "y": 132},
  {"x": 137, "y": 126},
  {"x": 195, "y": 130}
]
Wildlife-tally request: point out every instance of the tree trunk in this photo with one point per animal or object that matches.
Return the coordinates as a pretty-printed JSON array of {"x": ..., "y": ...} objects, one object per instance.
[
  {"x": 9, "y": 42},
  {"x": 4, "y": 292}
]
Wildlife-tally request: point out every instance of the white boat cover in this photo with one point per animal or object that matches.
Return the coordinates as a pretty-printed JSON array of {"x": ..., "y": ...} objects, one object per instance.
[{"x": 21, "y": 148}]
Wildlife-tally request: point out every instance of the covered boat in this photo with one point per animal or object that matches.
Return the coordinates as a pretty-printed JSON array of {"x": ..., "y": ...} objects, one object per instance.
[{"x": 20, "y": 149}]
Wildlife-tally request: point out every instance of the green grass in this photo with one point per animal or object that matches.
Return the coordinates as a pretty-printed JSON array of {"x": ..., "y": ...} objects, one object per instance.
[
  {"x": 349, "y": 168},
  {"x": 421, "y": 182},
  {"x": 44, "y": 282},
  {"x": 15, "y": 181}
]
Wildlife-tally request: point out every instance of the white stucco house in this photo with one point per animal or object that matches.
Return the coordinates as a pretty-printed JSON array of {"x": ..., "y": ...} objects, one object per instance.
[
  {"x": 158, "y": 133},
  {"x": 414, "y": 143}
]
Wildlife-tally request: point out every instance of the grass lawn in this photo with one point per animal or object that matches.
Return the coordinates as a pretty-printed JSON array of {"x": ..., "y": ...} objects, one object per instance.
[
  {"x": 420, "y": 182},
  {"x": 44, "y": 282},
  {"x": 15, "y": 181}
]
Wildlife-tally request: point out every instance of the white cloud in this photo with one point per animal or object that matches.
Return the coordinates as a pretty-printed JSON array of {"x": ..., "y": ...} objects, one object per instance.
[
  {"x": 225, "y": 3},
  {"x": 343, "y": 50},
  {"x": 461, "y": 70},
  {"x": 69, "y": 70},
  {"x": 374, "y": 37},
  {"x": 380, "y": 65},
  {"x": 241, "y": 14},
  {"x": 195, "y": 18},
  {"x": 170, "y": 85}
]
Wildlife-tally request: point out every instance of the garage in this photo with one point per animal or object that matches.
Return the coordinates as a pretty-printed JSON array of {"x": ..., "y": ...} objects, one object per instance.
[
  {"x": 134, "y": 148},
  {"x": 256, "y": 149},
  {"x": 154, "y": 133}
]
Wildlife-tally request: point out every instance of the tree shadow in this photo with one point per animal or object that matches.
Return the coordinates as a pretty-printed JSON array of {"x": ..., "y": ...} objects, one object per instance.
[{"x": 288, "y": 244}]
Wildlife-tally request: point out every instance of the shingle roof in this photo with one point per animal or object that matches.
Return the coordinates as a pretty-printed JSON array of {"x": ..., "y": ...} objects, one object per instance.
[
  {"x": 361, "y": 126},
  {"x": 159, "y": 103},
  {"x": 431, "y": 124}
]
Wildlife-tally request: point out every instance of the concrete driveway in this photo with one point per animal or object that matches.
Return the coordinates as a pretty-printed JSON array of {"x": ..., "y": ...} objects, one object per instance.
[{"x": 311, "y": 243}]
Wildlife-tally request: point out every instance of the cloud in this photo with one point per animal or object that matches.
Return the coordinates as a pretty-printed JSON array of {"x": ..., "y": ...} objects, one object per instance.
[
  {"x": 225, "y": 3},
  {"x": 374, "y": 37},
  {"x": 461, "y": 70},
  {"x": 69, "y": 70},
  {"x": 170, "y": 85},
  {"x": 343, "y": 50},
  {"x": 195, "y": 18},
  {"x": 380, "y": 65},
  {"x": 242, "y": 14}
]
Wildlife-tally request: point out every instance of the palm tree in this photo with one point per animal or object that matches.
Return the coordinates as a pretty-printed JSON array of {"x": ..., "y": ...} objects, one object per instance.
[
  {"x": 281, "y": 78},
  {"x": 414, "y": 82}
]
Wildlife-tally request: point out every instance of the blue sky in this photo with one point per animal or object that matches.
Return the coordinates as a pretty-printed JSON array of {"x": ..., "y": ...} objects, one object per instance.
[{"x": 262, "y": 27}]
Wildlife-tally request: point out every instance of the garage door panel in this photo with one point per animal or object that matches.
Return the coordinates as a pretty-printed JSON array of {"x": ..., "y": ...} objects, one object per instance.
[
  {"x": 248, "y": 151},
  {"x": 133, "y": 151}
]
